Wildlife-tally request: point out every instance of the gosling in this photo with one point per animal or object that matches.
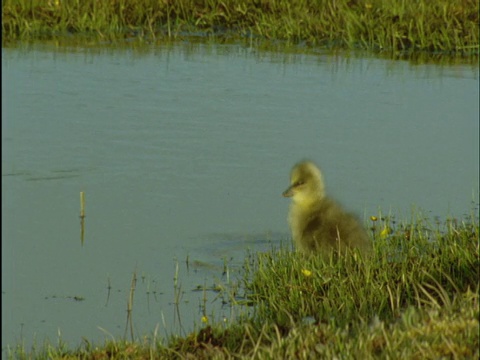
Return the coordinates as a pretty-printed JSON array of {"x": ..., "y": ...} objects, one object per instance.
[{"x": 319, "y": 225}]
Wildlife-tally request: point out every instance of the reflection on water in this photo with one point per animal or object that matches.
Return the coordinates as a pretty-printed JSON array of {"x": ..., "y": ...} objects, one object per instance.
[{"x": 183, "y": 151}]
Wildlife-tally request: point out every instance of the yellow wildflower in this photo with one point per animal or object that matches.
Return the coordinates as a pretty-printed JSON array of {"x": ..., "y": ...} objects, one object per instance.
[
  {"x": 306, "y": 272},
  {"x": 385, "y": 232},
  {"x": 204, "y": 319}
]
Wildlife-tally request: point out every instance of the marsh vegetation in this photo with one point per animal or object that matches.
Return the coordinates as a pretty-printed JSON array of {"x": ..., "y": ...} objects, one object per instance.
[
  {"x": 417, "y": 297},
  {"x": 447, "y": 26}
]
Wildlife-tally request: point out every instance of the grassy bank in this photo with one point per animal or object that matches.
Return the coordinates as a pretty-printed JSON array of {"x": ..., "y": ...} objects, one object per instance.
[
  {"x": 418, "y": 297},
  {"x": 436, "y": 26}
]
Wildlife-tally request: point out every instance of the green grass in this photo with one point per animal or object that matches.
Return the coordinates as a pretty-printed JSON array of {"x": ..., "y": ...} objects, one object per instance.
[
  {"x": 446, "y": 26},
  {"x": 413, "y": 266},
  {"x": 417, "y": 298}
]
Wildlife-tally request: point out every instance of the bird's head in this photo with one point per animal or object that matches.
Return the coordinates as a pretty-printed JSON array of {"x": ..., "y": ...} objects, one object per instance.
[{"x": 306, "y": 183}]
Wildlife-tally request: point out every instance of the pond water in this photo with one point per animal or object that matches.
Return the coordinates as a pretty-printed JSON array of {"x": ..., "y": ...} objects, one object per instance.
[{"x": 183, "y": 151}]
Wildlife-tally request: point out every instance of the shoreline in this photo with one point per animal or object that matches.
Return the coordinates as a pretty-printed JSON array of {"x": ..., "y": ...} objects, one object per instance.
[{"x": 445, "y": 26}]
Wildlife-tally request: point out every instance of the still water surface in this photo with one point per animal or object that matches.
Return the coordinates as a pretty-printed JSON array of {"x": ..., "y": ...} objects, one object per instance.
[{"x": 184, "y": 150}]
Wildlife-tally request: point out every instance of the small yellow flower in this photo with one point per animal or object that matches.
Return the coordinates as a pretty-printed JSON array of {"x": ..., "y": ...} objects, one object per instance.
[
  {"x": 204, "y": 319},
  {"x": 368, "y": 6},
  {"x": 385, "y": 232},
  {"x": 373, "y": 218},
  {"x": 306, "y": 272}
]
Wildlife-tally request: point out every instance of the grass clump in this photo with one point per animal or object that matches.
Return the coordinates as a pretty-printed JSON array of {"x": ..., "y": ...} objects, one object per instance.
[
  {"x": 413, "y": 266},
  {"x": 423, "y": 25}
]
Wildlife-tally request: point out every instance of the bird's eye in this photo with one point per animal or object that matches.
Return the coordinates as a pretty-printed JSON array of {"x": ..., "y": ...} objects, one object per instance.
[{"x": 298, "y": 183}]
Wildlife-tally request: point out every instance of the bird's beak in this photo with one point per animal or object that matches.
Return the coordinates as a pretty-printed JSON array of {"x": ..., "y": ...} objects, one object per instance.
[{"x": 288, "y": 192}]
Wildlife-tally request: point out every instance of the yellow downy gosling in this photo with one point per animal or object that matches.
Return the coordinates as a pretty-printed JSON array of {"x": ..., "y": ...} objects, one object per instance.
[{"x": 319, "y": 225}]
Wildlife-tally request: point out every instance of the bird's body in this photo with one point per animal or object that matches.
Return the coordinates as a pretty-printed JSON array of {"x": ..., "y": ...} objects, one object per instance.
[{"x": 319, "y": 225}]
